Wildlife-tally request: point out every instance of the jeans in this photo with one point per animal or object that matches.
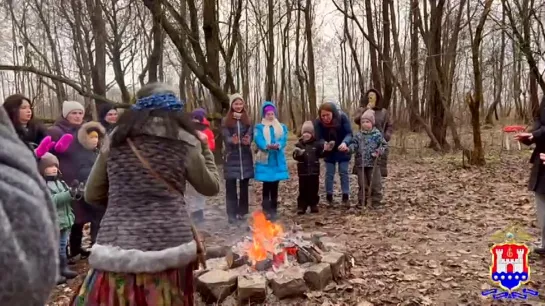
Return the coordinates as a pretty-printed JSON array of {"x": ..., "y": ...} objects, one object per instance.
[
  {"x": 63, "y": 243},
  {"x": 330, "y": 177}
]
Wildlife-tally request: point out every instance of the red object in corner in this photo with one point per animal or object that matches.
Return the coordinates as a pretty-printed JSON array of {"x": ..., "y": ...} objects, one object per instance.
[
  {"x": 514, "y": 129},
  {"x": 210, "y": 135}
]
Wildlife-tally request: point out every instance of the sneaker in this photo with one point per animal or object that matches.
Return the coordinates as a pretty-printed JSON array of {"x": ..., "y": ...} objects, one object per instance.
[
  {"x": 314, "y": 209},
  {"x": 301, "y": 212},
  {"x": 329, "y": 198},
  {"x": 232, "y": 220}
]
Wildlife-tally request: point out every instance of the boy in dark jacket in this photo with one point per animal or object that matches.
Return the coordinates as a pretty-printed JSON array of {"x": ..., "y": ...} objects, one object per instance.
[
  {"x": 307, "y": 153},
  {"x": 368, "y": 145}
]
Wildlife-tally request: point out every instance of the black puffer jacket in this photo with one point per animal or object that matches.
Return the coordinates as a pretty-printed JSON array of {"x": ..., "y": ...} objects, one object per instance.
[{"x": 309, "y": 162}]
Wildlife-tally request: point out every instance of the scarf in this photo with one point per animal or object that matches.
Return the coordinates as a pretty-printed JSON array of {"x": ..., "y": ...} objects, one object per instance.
[{"x": 278, "y": 132}]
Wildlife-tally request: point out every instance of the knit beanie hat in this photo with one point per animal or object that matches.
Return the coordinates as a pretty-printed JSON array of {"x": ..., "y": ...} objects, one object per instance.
[
  {"x": 160, "y": 101},
  {"x": 70, "y": 106},
  {"x": 268, "y": 108},
  {"x": 369, "y": 115},
  {"x": 47, "y": 161},
  {"x": 199, "y": 114},
  {"x": 308, "y": 127},
  {"x": 234, "y": 97}
]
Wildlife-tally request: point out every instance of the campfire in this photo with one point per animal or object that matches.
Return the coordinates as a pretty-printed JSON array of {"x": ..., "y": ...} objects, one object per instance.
[{"x": 289, "y": 261}]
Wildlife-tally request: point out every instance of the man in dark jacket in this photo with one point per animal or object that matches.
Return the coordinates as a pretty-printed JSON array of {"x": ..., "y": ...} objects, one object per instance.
[
  {"x": 537, "y": 175},
  {"x": 334, "y": 130}
]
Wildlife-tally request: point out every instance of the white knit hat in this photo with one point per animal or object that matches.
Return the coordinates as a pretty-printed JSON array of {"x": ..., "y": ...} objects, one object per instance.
[{"x": 69, "y": 106}]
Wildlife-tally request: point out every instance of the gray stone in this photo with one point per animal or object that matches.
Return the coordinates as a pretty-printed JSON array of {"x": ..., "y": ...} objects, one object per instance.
[
  {"x": 336, "y": 260},
  {"x": 216, "y": 285},
  {"x": 289, "y": 283},
  {"x": 252, "y": 288},
  {"x": 318, "y": 275},
  {"x": 217, "y": 264}
]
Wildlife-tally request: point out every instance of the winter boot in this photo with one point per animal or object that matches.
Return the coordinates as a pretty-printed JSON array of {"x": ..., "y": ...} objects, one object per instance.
[
  {"x": 61, "y": 280},
  {"x": 64, "y": 270},
  {"x": 345, "y": 200},
  {"x": 314, "y": 209},
  {"x": 329, "y": 198}
]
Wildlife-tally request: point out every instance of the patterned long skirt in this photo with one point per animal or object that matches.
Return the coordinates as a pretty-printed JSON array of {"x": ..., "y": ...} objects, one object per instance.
[{"x": 168, "y": 288}]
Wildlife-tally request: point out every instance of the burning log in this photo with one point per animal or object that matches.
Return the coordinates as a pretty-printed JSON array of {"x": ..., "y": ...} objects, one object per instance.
[
  {"x": 308, "y": 254},
  {"x": 234, "y": 260},
  {"x": 264, "y": 265}
]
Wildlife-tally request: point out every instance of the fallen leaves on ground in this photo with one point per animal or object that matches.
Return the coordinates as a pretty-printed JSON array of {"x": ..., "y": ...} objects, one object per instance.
[{"x": 429, "y": 244}]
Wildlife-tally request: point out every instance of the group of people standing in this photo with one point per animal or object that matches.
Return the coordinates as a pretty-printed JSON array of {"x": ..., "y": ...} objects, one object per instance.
[
  {"x": 65, "y": 153},
  {"x": 134, "y": 176}
]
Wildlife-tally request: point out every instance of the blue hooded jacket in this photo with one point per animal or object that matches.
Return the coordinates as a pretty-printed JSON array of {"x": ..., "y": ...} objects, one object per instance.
[
  {"x": 270, "y": 165},
  {"x": 340, "y": 132}
]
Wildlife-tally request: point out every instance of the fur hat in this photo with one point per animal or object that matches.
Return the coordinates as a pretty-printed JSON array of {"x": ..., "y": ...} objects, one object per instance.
[
  {"x": 85, "y": 131},
  {"x": 70, "y": 106},
  {"x": 308, "y": 127},
  {"x": 46, "y": 161},
  {"x": 368, "y": 115}
]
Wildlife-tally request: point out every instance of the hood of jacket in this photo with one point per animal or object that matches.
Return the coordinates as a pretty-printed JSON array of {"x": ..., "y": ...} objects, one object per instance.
[{"x": 84, "y": 131}]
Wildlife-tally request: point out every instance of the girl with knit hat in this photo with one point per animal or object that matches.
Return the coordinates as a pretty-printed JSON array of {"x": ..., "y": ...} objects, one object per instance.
[
  {"x": 145, "y": 252},
  {"x": 237, "y": 134},
  {"x": 62, "y": 197},
  {"x": 271, "y": 167},
  {"x": 368, "y": 145},
  {"x": 307, "y": 153},
  {"x": 196, "y": 201}
]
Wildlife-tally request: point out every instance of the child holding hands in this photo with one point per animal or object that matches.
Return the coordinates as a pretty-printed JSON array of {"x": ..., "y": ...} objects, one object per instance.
[{"x": 368, "y": 144}]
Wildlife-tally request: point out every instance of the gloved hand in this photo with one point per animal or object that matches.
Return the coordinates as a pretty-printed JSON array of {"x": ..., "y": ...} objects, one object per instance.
[
  {"x": 45, "y": 145},
  {"x": 64, "y": 143}
]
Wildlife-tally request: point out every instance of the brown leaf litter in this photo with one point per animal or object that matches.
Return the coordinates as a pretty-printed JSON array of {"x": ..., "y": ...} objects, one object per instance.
[{"x": 429, "y": 245}]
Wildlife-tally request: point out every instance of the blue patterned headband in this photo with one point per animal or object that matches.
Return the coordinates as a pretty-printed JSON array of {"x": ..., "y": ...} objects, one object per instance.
[{"x": 163, "y": 101}]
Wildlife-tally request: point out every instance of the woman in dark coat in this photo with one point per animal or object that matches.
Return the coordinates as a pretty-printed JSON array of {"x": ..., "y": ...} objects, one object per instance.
[
  {"x": 107, "y": 114},
  {"x": 239, "y": 164},
  {"x": 537, "y": 175},
  {"x": 19, "y": 110},
  {"x": 334, "y": 130},
  {"x": 70, "y": 166}
]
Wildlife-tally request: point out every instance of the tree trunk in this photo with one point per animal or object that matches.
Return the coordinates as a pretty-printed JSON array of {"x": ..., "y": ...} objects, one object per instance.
[{"x": 310, "y": 60}]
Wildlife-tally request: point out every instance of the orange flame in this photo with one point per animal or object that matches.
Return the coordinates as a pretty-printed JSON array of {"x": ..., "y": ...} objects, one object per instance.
[{"x": 265, "y": 237}]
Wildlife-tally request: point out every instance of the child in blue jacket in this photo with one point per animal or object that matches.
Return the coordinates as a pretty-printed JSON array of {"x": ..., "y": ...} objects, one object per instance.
[{"x": 270, "y": 137}]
